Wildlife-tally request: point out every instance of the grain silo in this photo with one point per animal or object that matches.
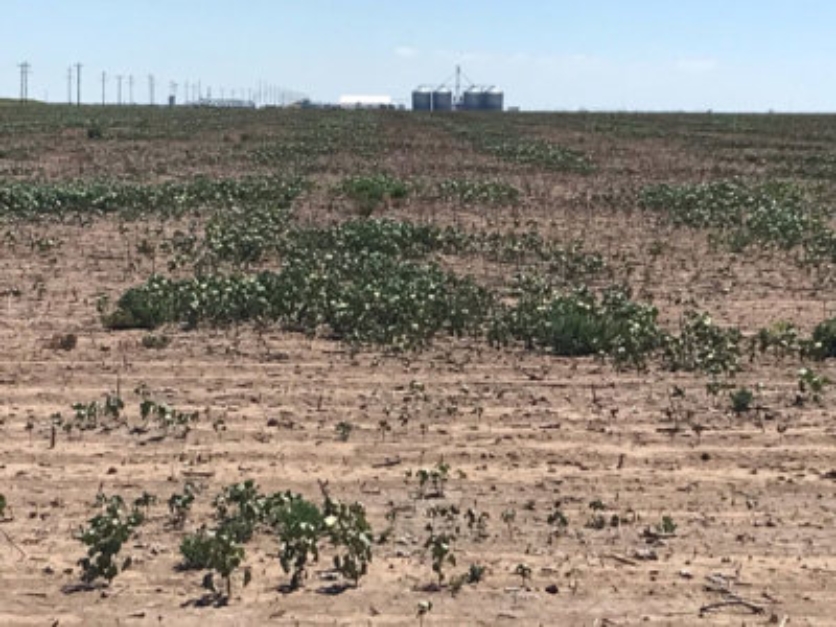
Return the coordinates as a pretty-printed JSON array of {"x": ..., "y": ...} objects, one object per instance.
[
  {"x": 422, "y": 99},
  {"x": 493, "y": 100},
  {"x": 442, "y": 100},
  {"x": 472, "y": 99}
]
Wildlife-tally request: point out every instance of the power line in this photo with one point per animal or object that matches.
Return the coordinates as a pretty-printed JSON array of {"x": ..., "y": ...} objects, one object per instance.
[
  {"x": 25, "y": 70},
  {"x": 78, "y": 83}
]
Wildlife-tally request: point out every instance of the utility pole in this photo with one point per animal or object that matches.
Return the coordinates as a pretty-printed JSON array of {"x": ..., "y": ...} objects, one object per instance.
[
  {"x": 186, "y": 92},
  {"x": 70, "y": 85},
  {"x": 173, "y": 86},
  {"x": 151, "y": 89},
  {"x": 104, "y": 88},
  {"x": 119, "y": 78},
  {"x": 130, "y": 89},
  {"x": 78, "y": 67},
  {"x": 25, "y": 69},
  {"x": 458, "y": 82}
]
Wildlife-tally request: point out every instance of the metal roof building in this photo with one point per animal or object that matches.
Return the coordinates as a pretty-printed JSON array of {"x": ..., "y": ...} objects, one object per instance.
[{"x": 366, "y": 102}]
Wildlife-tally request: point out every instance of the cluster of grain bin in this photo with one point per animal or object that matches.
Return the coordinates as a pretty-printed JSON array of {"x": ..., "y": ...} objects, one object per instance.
[
  {"x": 483, "y": 99},
  {"x": 432, "y": 99},
  {"x": 473, "y": 99}
]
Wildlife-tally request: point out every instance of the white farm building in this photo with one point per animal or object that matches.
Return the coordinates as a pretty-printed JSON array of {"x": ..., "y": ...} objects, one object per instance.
[{"x": 366, "y": 102}]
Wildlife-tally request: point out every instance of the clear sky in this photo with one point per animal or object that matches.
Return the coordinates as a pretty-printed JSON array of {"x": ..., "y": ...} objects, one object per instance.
[{"x": 752, "y": 55}]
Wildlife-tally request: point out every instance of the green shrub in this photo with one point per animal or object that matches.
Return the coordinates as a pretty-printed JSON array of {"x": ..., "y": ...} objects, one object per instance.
[
  {"x": 702, "y": 346},
  {"x": 823, "y": 345},
  {"x": 104, "y": 536},
  {"x": 578, "y": 324},
  {"x": 369, "y": 192},
  {"x": 741, "y": 400}
]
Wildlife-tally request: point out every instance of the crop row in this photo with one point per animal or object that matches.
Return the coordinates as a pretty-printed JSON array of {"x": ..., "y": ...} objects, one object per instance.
[
  {"x": 776, "y": 215},
  {"x": 313, "y": 136},
  {"x": 370, "y": 191},
  {"x": 512, "y": 147},
  {"x": 373, "y": 298},
  {"x": 368, "y": 282},
  {"x": 46, "y": 200}
]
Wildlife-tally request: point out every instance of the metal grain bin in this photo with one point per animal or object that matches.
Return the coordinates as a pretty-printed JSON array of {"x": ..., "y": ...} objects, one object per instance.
[
  {"x": 422, "y": 99},
  {"x": 493, "y": 100},
  {"x": 442, "y": 100},
  {"x": 472, "y": 100}
]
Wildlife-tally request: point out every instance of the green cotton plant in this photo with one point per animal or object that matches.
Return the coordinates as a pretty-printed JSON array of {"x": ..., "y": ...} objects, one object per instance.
[
  {"x": 218, "y": 552},
  {"x": 301, "y": 526},
  {"x": 349, "y": 531},
  {"x": 240, "y": 509},
  {"x": 431, "y": 481},
  {"x": 363, "y": 299},
  {"x": 95, "y": 414},
  {"x": 703, "y": 346},
  {"x": 369, "y": 192},
  {"x": 741, "y": 400},
  {"x": 822, "y": 344},
  {"x": 35, "y": 200},
  {"x": 180, "y": 504},
  {"x": 440, "y": 546},
  {"x": 104, "y": 536},
  {"x": 772, "y": 215},
  {"x": 470, "y": 192},
  {"x": 782, "y": 339},
  {"x": 811, "y": 386},
  {"x": 513, "y": 148},
  {"x": 579, "y": 324},
  {"x": 169, "y": 420}
]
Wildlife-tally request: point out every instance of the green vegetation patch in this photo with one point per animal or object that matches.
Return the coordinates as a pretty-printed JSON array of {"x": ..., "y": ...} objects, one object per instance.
[
  {"x": 776, "y": 215},
  {"x": 29, "y": 200},
  {"x": 472, "y": 192},
  {"x": 371, "y": 191}
]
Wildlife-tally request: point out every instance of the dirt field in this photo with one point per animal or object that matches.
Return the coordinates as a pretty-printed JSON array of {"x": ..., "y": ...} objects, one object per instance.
[{"x": 749, "y": 498}]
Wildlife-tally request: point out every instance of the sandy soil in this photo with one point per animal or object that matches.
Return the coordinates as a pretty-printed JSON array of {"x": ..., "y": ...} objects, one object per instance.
[{"x": 753, "y": 497}]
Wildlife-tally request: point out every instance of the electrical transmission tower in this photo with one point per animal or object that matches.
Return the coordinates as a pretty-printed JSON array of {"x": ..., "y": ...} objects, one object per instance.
[
  {"x": 78, "y": 67},
  {"x": 25, "y": 70}
]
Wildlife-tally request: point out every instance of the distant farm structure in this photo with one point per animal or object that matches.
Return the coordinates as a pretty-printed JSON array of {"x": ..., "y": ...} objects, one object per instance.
[
  {"x": 447, "y": 97},
  {"x": 366, "y": 102}
]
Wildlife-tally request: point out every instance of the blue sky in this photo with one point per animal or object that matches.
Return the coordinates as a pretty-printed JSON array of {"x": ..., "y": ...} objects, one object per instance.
[{"x": 738, "y": 55}]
